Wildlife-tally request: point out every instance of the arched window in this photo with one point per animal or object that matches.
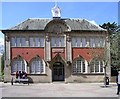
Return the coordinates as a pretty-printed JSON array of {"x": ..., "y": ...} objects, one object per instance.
[
  {"x": 37, "y": 66},
  {"x": 18, "y": 64},
  {"x": 79, "y": 65},
  {"x": 96, "y": 66}
]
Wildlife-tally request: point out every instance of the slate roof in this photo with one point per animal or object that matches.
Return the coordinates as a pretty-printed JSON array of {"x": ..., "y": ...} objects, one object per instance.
[{"x": 40, "y": 24}]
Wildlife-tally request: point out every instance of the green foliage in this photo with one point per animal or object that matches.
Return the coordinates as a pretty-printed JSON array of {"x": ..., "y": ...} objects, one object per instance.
[
  {"x": 114, "y": 43},
  {"x": 2, "y": 64},
  {"x": 115, "y": 49},
  {"x": 109, "y": 26}
]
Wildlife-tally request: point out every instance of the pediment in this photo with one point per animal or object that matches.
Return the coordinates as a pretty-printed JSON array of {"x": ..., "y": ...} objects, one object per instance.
[{"x": 58, "y": 58}]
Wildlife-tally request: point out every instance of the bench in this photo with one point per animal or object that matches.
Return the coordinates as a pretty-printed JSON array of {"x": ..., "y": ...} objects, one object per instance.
[{"x": 20, "y": 80}]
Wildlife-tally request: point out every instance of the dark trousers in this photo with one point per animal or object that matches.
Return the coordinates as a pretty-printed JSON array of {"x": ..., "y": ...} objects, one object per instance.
[{"x": 118, "y": 89}]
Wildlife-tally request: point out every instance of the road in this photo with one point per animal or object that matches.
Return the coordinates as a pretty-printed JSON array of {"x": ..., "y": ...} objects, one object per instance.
[{"x": 58, "y": 90}]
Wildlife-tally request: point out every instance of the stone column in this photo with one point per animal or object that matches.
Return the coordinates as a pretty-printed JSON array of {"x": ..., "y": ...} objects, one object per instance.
[
  {"x": 68, "y": 49},
  {"x": 47, "y": 48},
  {"x": 48, "y": 57},
  {"x": 68, "y": 58},
  {"x": 7, "y": 67},
  {"x": 108, "y": 68}
]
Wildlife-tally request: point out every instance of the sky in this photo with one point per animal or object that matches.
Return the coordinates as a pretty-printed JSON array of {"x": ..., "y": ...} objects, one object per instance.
[
  {"x": 14, "y": 13},
  {"x": 119, "y": 13}
]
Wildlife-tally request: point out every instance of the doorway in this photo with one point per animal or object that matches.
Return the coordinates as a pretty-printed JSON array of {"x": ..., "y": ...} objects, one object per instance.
[{"x": 58, "y": 71}]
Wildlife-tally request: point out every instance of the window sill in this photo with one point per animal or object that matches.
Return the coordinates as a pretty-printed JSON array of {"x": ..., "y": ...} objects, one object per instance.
[
  {"x": 57, "y": 46},
  {"x": 32, "y": 74},
  {"x": 88, "y": 74},
  {"x": 89, "y": 47},
  {"x": 37, "y": 74},
  {"x": 26, "y": 47}
]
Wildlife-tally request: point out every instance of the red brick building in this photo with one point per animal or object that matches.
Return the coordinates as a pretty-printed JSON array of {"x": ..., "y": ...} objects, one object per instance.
[{"x": 58, "y": 49}]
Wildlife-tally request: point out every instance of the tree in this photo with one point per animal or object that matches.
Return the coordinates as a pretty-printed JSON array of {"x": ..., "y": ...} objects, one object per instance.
[
  {"x": 115, "y": 49},
  {"x": 110, "y": 27},
  {"x": 2, "y": 64},
  {"x": 114, "y": 32}
]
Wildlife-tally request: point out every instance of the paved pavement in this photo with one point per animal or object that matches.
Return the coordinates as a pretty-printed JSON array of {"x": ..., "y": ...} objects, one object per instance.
[{"x": 58, "y": 90}]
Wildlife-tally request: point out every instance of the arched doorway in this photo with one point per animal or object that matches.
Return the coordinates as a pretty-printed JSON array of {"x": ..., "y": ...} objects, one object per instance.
[{"x": 58, "y": 71}]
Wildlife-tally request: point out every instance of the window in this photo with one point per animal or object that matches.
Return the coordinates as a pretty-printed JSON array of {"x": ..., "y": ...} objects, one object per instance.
[
  {"x": 37, "y": 66},
  {"x": 31, "y": 42},
  {"x": 74, "y": 42},
  {"x": 92, "y": 42},
  {"x": 62, "y": 41},
  {"x": 102, "y": 42},
  {"x": 83, "y": 42},
  {"x": 79, "y": 66},
  {"x": 57, "y": 42},
  {"x": 41, "y": 42},
  {"x": 36, "y": 42},
  {"x": 18, "y": 65},
  {"x": 13, "y": 42},
  {"x": 23, "y": 41},
  {"x": 96, "y": 42},
  {"x": 96, "y": 66},
  {"x": 52, "y": 41},
  {"x": 18, "y": 42},
  {"x": 79, "y": 42}
]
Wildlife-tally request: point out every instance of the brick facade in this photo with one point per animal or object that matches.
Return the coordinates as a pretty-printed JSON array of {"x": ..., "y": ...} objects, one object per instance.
[
  {"x": 27, "y": 53},
  {"x": 58, "y": 62}
]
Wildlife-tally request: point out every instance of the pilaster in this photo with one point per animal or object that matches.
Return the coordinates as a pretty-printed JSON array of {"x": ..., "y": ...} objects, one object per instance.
[
  {"x": 108, "y": 68},
  {"x": 7, "y": 68},
  {"x": 68, "y": 48},
  {"x": 47, "y": 48}
]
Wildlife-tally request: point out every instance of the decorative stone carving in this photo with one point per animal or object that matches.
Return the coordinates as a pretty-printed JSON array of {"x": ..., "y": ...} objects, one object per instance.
[
  {"x": 57, "y": 29},
  {"x": 6, "y": 38},
  {"x": 47, "y": 38},
  {"x": 68, "y": 38}
]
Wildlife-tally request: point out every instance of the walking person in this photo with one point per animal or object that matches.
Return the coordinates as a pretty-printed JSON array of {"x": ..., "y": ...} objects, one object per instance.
[{"x": 118, "y": 82}]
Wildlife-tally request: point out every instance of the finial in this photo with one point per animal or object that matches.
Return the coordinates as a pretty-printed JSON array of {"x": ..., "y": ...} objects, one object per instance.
[{"x": 56, "y": 11}]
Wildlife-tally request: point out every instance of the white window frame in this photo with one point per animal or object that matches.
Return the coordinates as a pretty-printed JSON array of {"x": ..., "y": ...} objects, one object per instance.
[
  {"x": 41, "y": 41},
  {"x": 40, "y": 62},
  {"x": 13, "y": 40},
  {"x": 92, "y": 42},
  {"x": 57, "y": 41},
  {"x": 23, "y": 44},
  {"x": 79, "y": 41},
  {"x": 18, "y": 39},
  {"x": 77, "y": 67},
  {"x": 16, "y": 63},
  {"x": 84, "y": 41},
  {"x": 93, "y": 65}
]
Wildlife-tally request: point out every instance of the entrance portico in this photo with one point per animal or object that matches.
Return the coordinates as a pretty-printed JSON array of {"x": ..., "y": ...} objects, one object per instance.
[{"x": 58, "y": 68}]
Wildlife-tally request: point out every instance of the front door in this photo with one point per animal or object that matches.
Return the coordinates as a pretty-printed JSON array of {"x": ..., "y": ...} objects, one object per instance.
[{"x": 58, "y": 72}]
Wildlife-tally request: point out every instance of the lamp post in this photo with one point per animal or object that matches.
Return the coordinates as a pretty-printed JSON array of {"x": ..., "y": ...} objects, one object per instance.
[{"x": 105, "y": 76}]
